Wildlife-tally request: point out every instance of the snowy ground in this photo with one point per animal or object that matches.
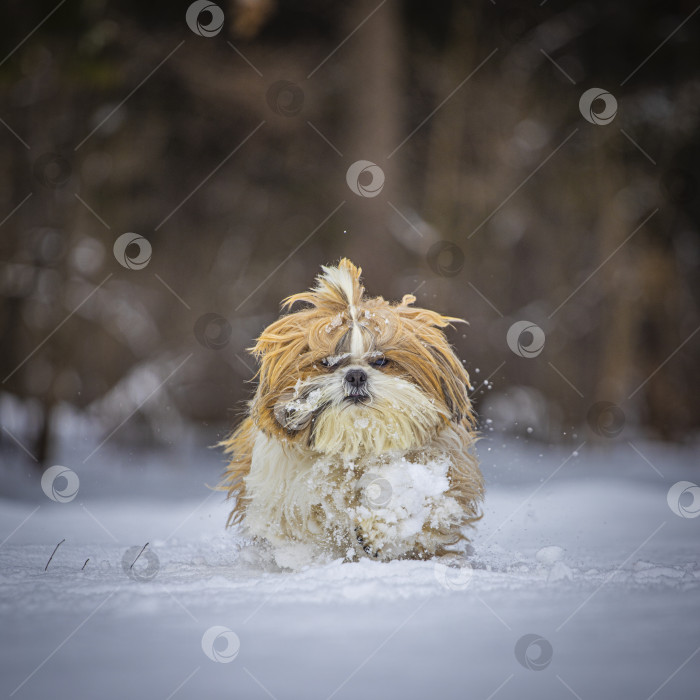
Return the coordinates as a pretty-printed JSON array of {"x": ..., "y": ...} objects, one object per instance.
[{"x": 582, "y": 552}]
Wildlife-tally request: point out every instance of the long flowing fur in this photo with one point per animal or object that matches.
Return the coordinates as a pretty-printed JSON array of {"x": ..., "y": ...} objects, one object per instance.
[{"x": 297, "y": 456}]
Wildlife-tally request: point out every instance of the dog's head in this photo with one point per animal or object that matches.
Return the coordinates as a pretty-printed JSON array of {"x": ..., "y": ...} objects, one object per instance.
[{"x": 354, "y": 375}]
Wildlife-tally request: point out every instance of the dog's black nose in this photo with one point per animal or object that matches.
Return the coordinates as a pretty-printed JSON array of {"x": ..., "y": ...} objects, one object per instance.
[{"x": 356, "y": 377}]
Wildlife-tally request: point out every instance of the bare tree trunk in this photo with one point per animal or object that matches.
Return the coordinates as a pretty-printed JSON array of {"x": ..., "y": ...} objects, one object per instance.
[
  {"x": 446, "y": 179},
  {"x": 664, "y": 400},
  {"x": 42, "y": 445},
  {"x": 615, "y": 279}
]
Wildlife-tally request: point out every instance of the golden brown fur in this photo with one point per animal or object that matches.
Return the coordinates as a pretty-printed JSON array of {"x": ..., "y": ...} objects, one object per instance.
[{"x": 417, "y": 404}]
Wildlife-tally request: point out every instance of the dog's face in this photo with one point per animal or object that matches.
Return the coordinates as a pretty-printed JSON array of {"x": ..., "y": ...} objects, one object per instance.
[{"x": 353, "y": 375}]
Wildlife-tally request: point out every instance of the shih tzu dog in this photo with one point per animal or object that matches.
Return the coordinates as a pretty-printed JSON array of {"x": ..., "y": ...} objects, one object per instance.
[{"x": 359, "y": 440}]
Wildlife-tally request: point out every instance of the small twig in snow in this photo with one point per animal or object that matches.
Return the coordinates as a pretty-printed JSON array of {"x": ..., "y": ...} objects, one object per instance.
[
  {"x": 54, "y": 552},
  {"x": 139, "y": 554}
]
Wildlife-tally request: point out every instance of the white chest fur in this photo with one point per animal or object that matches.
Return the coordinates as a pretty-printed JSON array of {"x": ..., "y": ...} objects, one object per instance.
[{"x": 310, "y": 505}]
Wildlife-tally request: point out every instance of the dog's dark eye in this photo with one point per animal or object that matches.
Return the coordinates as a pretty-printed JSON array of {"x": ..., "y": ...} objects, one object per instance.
[
  {"x": 380, "y": 362},
  {"x": 334, "y": 361}
]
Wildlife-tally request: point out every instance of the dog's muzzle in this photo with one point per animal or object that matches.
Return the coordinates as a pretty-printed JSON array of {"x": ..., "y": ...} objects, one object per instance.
[{"x": 355, "y": 385}]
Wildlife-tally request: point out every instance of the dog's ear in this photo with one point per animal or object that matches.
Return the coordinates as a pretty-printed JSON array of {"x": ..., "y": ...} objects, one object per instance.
[
  {"x": 280, "y": 344},
  {"x": 448, "y": 373},
  {"x": 279, "y": 348}
]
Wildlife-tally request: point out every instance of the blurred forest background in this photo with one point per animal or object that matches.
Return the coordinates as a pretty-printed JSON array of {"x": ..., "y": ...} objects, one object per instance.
[{"x": 228, "y": 154}]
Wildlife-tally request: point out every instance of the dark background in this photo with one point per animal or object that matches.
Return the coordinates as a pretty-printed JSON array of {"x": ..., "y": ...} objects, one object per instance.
[{"x": 229, "y": 154}]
